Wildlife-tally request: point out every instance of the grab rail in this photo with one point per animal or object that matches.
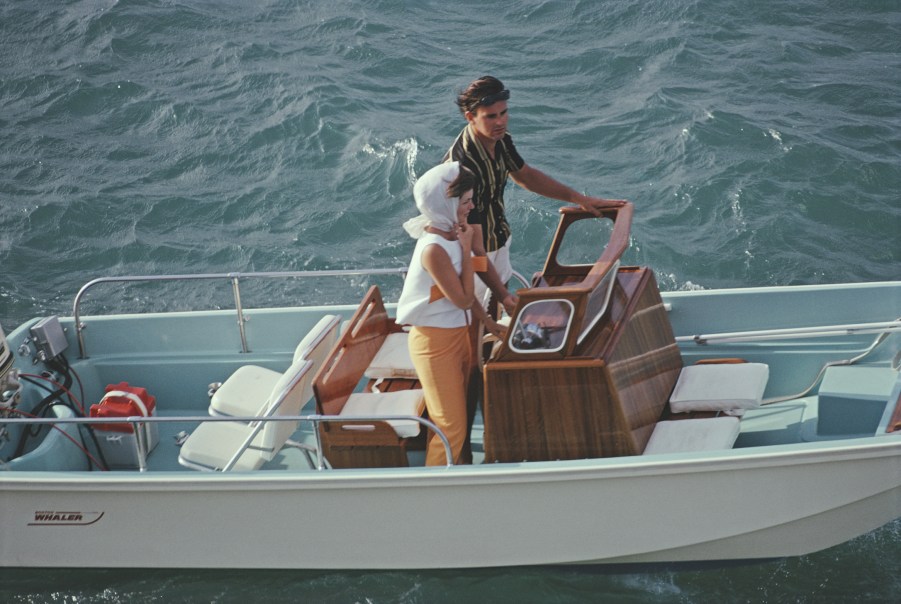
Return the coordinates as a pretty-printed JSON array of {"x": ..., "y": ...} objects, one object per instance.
[
  {"x": 233, "y": 278},
  {"x": 137, "y": 423},
  {"x": 621, "y": 215},
  {"x": 793, "y": 332}
]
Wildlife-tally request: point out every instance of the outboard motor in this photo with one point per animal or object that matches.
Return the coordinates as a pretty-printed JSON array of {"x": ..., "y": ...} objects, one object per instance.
[{"x": 9, "y": 384}]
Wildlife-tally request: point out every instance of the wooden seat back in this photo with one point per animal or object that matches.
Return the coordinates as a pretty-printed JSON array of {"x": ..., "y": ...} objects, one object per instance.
[
  {"x": 343, "y": 368},
  {"x": 358, "y": 444}
]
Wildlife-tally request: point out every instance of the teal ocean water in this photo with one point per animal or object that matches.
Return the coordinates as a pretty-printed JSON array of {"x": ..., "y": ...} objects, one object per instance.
[{"x": 760, "y": 142}]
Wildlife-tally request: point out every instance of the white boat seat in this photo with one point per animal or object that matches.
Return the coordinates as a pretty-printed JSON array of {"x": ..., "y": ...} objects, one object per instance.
[
  {"x": 216, "y": 445},
  {"x": 401, "y": 402},
  {"x": 689, "y": 435},
  {"x": 245, "y": 391},
  {"x": 726, "y": 387},
  {"x": 318, "y": 342},
  {"x": 212, "y": 445},
  {"x": 392, "y": 361}
]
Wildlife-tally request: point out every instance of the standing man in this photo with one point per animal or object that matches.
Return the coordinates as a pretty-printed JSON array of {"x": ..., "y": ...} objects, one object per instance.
[{"x": 487, "y": 150}]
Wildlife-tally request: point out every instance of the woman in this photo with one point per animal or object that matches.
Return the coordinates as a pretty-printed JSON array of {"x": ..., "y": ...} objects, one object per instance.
[{"x": 437, "y": 298}]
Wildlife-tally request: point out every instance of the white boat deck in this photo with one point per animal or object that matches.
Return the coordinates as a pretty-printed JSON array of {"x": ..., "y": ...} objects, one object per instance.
[{"x": 781, "y": 423}]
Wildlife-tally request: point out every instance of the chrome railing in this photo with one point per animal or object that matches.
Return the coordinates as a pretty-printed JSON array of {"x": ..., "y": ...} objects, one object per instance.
[
  {"x": 821, "y": 331},
  {"x": 141, "y": 447},
  {"x": 521, "y": 278},
  {"x": 233, "y": 278}
]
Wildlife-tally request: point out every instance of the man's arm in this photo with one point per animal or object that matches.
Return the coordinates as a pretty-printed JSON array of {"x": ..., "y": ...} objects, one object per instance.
[
  {"x": 490, "y": 276},
  {"x": 538, "y": 182}
]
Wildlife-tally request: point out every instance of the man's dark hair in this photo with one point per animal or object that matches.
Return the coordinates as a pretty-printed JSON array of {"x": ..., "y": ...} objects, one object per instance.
[{"x": 468, "y": 99}]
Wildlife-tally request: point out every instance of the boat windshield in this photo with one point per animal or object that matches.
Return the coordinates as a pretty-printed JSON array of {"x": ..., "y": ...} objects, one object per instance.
[{"x": 598, "y": 300}]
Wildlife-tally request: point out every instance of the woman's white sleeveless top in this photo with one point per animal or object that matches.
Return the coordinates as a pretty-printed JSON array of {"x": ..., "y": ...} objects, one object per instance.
[{"x": 414, "y": 307}]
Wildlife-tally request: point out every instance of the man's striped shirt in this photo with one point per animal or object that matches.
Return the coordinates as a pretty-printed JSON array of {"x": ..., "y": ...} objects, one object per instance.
[{"x": 491, "y": 178}]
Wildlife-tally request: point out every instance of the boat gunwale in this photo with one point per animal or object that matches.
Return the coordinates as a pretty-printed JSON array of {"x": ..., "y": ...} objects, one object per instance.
[
  {"x": 769, "y": 456},
  {"x": 783, "y": 288}
]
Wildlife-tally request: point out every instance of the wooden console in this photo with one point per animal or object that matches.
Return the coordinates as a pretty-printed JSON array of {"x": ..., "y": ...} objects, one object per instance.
[{"x": 599, "y": 389}]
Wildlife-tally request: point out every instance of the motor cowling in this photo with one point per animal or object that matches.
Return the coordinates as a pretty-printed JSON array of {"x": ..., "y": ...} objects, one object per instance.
[{"x": 9, "y": 385}]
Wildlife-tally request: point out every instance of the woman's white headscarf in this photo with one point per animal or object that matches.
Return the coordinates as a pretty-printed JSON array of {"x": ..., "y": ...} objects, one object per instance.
[{"x": 435, "y": 207}]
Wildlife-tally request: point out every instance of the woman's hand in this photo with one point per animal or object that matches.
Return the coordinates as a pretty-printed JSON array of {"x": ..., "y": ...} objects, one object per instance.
[{"x": 464, "y": 236}]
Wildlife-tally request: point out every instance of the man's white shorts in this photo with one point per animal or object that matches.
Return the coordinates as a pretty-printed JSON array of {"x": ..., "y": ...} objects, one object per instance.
[{"x": 501, "y": 260}]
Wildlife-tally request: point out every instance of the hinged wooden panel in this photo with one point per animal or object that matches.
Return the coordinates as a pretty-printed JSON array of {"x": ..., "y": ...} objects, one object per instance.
[{"x": 359, "y": 444}]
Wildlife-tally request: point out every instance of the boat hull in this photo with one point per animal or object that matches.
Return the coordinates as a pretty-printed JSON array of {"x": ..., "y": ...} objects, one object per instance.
[
  {"x": 770, "y": 502},
  {"x": 785, "y": 490}
]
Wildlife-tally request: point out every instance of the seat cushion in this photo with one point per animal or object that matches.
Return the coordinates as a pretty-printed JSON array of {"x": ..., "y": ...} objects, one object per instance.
[
  {"x": 245, "y": 392},
  {"x": 392, "y": 360},
  {"x": 212, "y": 445},
  {"x": 402, "y": 402},
  {"x": 319, "y": 340},
  {"x": 685, "y": 435},
  {"x": 719, "y": 387}
]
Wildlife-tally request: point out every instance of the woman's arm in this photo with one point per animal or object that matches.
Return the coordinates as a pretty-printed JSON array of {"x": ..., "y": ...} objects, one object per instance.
[
  {"x": 491, "y": 326},
  {"x": 457, "y": 289}
]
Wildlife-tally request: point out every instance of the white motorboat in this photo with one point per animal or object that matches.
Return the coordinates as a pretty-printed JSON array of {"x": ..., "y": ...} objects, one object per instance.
[{"x": 600, "y": 438}]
